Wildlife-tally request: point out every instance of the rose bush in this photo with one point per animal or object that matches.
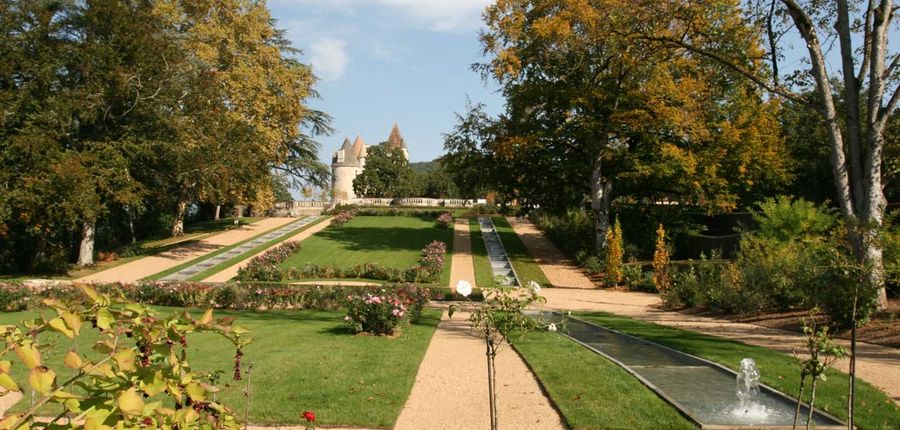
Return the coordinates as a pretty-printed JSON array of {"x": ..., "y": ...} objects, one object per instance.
[
  {"x": 381, "y": 314},
  {"x": 445, "y": 220},
  {"x": 342, "y": 218}
]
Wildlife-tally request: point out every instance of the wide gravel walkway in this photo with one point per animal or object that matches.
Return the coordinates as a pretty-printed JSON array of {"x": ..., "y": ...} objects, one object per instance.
[
  {"x": 147, "y": 266},
  {"x": 556, "y": 266},
  {"x": 231, "y": 272},
  {"x": 451, "y": 390},
  {"x": 462, "y": 267}
]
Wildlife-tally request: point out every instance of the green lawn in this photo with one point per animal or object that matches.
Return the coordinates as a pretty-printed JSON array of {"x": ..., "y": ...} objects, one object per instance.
[
  {"x": 522, "y": 261},
  {"x": 875, "y": 410},
  {"x": 302, "y": 360},
  {"x": 392, "y": 241},
  {"x": 484, "y": 277},
  {"x": 592, "y": 392}
]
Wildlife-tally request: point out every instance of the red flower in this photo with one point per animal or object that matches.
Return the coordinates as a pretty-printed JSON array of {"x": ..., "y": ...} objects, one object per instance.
[{"x": 310, "y": 416}]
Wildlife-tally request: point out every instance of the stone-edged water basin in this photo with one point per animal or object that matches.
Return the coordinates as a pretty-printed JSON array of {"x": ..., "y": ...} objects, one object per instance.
[{"x": 702, "y": 390}]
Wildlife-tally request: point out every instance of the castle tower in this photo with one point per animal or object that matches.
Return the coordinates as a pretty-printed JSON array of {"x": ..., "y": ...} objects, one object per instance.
[
  {"x": 346, "y": 163},
  {"x": 395, "y": 141}
]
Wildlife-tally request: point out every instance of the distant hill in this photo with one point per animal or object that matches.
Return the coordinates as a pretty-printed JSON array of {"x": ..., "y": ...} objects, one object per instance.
[{"x": 423, "y": 166}]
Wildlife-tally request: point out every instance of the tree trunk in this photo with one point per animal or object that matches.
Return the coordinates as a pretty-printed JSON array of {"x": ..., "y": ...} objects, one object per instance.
[
  {"x": 130, "y": 214},
  {"x": 178, "y": 225},
  {"x": 600, "y": 191},
  {"x": 492, "y": 387},
  {"x": 799, "y": 401},
  {"x": 812, "y": 402},
  {"x": 218, "y": 211},
  {"x": 86, "y": 251}
]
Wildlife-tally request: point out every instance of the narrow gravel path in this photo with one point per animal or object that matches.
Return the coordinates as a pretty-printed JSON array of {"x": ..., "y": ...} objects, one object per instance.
[
  {"x": 231, "y": 272},
  {"x": 462, "y": 266},
  {"x": 451, "y": 391},
  {"x": 878, "y": 365},
  {"x": 560, "y": 271},
  {"x": 151, "y": 265}
]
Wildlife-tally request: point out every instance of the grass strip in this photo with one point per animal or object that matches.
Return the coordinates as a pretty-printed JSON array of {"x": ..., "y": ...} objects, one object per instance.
[
  {"x": 484, "y": 276},
  {"x": 592, "y": 392},
  {"x": 874, "y": 409},
  {"x": 526, "y": 267},
  {"x": 204, "y": 257},
  {"x": 241, "y": 257}
]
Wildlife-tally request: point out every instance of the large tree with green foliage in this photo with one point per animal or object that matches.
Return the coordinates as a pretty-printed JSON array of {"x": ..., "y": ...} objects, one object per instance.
[
  {"x": 590, "y": 106},
  {"x": 386, "y": 174},
  {"x": 854, "y": 101}
]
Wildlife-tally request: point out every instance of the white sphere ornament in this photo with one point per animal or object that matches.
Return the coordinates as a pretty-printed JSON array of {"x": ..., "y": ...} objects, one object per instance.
[
  {"x": 463, "y": 288},
  {"x": 551, "y": 327},
  {"x": 535, "y": 287}
]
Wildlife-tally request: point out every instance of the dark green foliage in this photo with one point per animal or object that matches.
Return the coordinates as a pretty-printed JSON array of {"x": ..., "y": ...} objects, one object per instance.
[{"x": 387, "y": 174}]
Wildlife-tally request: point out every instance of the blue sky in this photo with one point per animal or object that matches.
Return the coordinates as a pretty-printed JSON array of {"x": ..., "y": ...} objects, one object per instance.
[{"x": 387, "y": 61}]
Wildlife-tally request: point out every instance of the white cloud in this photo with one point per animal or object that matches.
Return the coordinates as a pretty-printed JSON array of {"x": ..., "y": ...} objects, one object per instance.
[{"x": 329, "y": 58}]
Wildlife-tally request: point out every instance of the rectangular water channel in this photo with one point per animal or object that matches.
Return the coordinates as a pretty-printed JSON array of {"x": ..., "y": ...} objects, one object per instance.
[{"x": 702, "y": 390}]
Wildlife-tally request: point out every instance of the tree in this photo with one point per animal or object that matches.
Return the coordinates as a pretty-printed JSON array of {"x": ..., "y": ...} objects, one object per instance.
[
  {"x": 386, "y": 174},
  {"x": 586, "y": 98},
  {"x": 867, "y": 83}
]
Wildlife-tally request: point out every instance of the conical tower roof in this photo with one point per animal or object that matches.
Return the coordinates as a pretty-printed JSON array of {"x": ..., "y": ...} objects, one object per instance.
[
  {"x": 347, "y": 144},
  {"x": 359, "y": 147},
  {"x": 395, "y": 141}
]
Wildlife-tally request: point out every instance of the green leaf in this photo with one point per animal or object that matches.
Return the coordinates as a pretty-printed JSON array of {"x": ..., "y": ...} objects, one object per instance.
[
  {"x": 104, "y": 319},
  {"x": 73, "y": 321},
  {"x": 59, "y": 325},
  {"x": 29, "y": 355},
  {"x": 42, "y": 379},
  {"x": 130, "y": 402},
  {"x": 72, "y": 360},
  {"x": 8, "y": 383},
  {"x": 125, "y": 359},
  {"x": 195, "y": 391},
  {"x": 153, "y": 384}
]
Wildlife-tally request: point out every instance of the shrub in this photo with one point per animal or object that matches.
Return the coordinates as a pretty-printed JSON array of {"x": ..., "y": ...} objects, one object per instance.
[
  {"x": 116, "y": 392},
  {"x": 265, "y": 267},
  {"x": 445, "y": 220},
  {"x": 636, "y": 279},
  {"x": 661, "y": 278},
  {"x": 572, "y": 232},
  {"x": 781, "y": 272},
  {"x": 13, "y": 297},
  {"x": 785, "y": 219},
  {"x": 342, "y": 218},
  {"x": 614, "y": 254},
  {"x": 378, "y": 314}
]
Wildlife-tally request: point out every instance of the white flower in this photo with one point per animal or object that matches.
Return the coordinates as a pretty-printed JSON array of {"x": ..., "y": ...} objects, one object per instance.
[
  {"x": 535, "y": 287},
  {"x": 551, "y": 327},
  {"x": 463, "y": 288}
]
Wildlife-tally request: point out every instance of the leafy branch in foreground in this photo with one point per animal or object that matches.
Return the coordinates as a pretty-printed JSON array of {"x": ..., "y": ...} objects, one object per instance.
[{"x": 138, "y": 375}]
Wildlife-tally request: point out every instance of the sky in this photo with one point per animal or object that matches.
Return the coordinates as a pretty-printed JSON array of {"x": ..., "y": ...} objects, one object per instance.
[{"x": 382, "y": 62}]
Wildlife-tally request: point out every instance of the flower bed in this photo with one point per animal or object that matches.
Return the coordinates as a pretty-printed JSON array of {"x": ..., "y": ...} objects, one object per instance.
[
  {"x": 249, "y": 296},
  {"x": 428, "y": 269},
  {"x": 265, "y": 266},
  {"x": 378, "y": 314}
]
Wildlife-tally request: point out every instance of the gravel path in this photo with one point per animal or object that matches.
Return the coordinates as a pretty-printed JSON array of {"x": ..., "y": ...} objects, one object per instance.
[
  {"x": 878, "y": 365},
  {"x": 462, "y": 267},
  {"x": 231, "y": 272},
  {"x": 451, "y": 391},
  {"x": 556, "y": 266},
  {"x": 147, "y": 266}
]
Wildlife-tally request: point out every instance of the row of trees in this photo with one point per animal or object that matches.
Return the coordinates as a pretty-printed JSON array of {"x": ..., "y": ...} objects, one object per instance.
[
  {"x": 118, "y": 115},
  {"x": 660, "y": 102}
]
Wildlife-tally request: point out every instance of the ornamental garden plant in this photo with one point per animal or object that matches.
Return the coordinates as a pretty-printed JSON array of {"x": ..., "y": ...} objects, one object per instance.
[
  {"x": 445, "y": 220},
  {"x": 136, "y": 376}
]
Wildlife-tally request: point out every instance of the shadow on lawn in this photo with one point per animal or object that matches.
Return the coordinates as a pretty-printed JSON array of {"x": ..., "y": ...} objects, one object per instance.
[{"x": 385, "y": 239}]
